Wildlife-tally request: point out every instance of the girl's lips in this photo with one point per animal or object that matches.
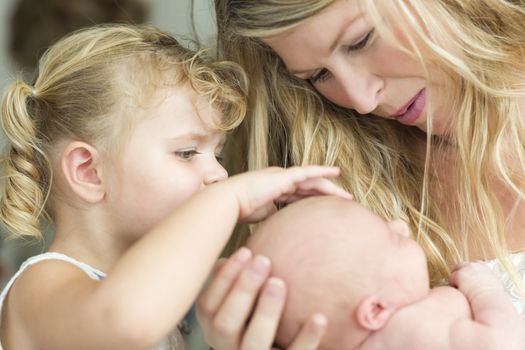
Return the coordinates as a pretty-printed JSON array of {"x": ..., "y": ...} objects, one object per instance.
[{"x": 413, "y": 109}]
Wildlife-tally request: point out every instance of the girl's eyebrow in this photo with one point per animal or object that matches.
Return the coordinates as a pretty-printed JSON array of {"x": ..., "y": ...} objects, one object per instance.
[{"x": 191, "y": 136}]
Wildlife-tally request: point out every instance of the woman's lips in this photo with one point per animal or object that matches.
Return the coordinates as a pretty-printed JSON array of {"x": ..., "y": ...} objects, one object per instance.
[{"x": 412, "y": 110}]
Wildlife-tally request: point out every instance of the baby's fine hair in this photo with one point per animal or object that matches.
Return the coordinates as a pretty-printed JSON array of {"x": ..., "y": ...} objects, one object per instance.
[{"x": 84, "y": 84}]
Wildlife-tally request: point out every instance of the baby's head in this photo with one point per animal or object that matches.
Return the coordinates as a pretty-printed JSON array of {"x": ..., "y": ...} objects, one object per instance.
[
  {"x": 92, "y": 90},
  {"x": 339, "y": 258}
]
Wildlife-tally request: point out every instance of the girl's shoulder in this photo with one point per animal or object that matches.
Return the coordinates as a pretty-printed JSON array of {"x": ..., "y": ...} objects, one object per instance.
[
  {"x": 33, "y": 292},
  {"x": 47, "y": 269}
]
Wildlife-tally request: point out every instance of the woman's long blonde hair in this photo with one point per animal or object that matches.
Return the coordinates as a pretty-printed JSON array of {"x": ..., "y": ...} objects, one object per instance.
[
  {"x": 86, "y": 85},
  {"x": 481, "y": 45}
]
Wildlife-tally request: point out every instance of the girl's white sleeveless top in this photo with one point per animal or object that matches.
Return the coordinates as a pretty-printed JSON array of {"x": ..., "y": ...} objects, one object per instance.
[
  {"x": 174, "y": 342},
  {"x": 518, "y": 261}
]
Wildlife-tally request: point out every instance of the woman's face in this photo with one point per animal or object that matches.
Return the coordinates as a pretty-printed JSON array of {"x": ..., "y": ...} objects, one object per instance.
[{"x": 341, "y": 54}]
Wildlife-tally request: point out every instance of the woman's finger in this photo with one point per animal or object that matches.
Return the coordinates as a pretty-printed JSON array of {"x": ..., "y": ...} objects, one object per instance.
[
  {"x": 230, "y": 320},
  {"x": 311, "y": 334},
  {"x": 222, "y": 281},
  {"x": 263, "y": 324}
]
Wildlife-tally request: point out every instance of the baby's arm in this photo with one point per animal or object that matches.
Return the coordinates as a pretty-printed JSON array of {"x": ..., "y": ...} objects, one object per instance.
[{"x": 496, "y": 324}]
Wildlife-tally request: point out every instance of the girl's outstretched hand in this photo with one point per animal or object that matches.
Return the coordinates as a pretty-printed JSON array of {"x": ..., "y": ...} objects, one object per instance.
[
  {"x": 241, "y": 307},
  {"x": 257, "y": 191}
]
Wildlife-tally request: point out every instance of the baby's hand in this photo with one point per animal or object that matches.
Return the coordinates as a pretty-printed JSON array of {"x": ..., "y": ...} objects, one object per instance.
[
  {"x": 474, "y": 279},
  {"x": 497, "y": 324},
  {"x": 257, "y": 191}
]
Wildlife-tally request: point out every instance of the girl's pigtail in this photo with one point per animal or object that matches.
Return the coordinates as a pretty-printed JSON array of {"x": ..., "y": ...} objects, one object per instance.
[{"x": 24, "y": 185}]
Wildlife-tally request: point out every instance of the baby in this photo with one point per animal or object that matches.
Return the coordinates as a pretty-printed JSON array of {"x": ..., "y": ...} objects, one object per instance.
[{"x": 370, "y": 279}]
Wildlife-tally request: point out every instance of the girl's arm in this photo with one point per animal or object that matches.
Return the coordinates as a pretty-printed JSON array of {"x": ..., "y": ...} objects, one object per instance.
[{"x": 153, "y": 285}]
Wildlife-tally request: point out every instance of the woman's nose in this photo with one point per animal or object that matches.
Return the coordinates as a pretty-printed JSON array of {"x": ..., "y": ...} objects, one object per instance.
[
  {"x": 361, "y": 89},
  {"x": 214, "y": 173}
]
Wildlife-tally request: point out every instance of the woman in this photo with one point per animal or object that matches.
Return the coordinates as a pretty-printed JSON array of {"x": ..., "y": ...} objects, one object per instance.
[{"x": 419, "y": 102}]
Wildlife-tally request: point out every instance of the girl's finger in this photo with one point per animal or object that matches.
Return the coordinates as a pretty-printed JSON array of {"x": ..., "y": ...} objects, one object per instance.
[
  {"x": 321, "y": 186},
  {"x": 312, "y": 171}
]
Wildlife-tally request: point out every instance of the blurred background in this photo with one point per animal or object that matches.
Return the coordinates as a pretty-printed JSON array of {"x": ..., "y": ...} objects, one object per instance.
[
  {"x": 28, "y": 27},
  {"x": 38, "y": 21}
]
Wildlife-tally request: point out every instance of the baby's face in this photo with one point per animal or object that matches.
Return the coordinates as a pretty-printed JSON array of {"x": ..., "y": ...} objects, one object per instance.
[
  {"x": 383, "y": 261},
  {"x": 400, "y": 261},
  {"x": 333, "y": 252}
]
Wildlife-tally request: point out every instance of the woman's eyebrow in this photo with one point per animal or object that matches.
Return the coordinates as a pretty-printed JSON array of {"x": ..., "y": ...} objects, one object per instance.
[{"x": 333, "y": 45}]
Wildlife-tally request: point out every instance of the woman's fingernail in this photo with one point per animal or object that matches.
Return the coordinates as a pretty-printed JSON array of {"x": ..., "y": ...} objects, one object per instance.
[
  {"x": 243, "y": 255},
  {"x": 319, "y": 320},
  {"x": 275, "y": 287},
  {"x": 260, "y": 264}
]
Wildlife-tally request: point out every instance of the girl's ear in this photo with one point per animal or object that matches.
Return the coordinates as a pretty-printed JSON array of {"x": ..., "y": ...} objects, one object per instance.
[
  {"x": 81, "y": 167},
  {"x": 372, "y": 314}
]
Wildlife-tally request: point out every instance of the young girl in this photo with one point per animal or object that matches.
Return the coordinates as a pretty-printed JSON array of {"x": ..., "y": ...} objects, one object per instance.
[{"x": 117, "y": 142}]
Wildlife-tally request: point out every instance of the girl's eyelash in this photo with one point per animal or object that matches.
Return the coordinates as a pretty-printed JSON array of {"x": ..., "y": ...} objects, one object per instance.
[
  {"x": 324, "y": 73},
  {"x": 186, "y": 155}
]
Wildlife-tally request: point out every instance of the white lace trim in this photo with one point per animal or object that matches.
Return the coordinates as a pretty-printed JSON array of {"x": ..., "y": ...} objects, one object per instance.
[{"x": 518, "y": 261}]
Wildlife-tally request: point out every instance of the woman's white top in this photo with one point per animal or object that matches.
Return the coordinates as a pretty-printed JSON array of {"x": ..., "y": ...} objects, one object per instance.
[
  {"x": 518, "y": 261},
  {"x": 173, "y": 342}
]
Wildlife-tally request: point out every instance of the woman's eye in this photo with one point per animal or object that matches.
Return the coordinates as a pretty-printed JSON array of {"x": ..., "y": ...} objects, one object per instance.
[
  {"x": 186, "y": 155},
  {"x": 361, "y": 43},
  {"x": 320, "y": 77}
]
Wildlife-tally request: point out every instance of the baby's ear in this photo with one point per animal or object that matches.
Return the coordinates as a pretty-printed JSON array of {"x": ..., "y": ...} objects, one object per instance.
[
  {"x": 81, "y": 167},
  {"x": 372, "y": 313}
]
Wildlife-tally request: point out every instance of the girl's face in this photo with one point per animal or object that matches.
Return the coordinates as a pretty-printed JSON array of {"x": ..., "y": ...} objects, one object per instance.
[
  {"x": 341, "y": 54},
  {"x": 171, "y": 154}
]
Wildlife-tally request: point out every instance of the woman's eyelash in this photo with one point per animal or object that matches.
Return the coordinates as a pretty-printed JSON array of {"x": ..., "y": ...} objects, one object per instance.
[
  {"x": 324, "y": 73},
  {"x": 362, "y": 43}
]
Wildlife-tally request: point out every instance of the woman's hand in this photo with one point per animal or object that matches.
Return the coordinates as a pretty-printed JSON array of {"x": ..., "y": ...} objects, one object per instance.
[{"x": 241, "y": 307}]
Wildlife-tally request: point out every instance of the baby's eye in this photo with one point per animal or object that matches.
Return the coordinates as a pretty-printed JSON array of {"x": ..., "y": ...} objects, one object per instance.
[{"x": 187, "y": 154}]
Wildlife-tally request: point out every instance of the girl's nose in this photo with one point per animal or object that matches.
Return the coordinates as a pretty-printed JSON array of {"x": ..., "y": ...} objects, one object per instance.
[{"x": 215, "y": 173}]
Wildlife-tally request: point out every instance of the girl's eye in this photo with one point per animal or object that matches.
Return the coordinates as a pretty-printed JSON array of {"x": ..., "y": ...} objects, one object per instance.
[
  {"x": 187, "y": 155},
  {"x": 219, "y": 159},
  {"x": 361, "y": 43},
  {"x": 320, "y": 77}
]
